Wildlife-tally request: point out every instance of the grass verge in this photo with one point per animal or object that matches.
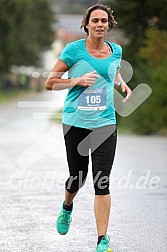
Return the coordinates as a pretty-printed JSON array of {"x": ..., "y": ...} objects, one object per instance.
[{"x": 5, "y": 97}]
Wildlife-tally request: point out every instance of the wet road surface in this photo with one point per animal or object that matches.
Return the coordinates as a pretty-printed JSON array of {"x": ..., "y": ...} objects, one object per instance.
[{"x": 33, "y": 169}]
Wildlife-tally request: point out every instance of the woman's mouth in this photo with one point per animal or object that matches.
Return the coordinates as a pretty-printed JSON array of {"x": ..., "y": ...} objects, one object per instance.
[{"x": 99, "y": 30}]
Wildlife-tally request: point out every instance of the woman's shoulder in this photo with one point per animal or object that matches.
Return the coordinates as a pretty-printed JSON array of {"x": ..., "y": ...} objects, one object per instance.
[
  {"x": 76, "y": 43},
  {"x": 116, "y": 47}
]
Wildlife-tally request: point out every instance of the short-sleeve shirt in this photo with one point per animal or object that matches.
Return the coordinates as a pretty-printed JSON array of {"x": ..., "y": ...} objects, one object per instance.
[{"x": 93, "y": 106}]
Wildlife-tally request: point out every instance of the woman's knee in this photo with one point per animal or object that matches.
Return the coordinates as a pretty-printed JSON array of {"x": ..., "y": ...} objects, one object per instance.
[
  {"x": 74, "y": 183},
  {"x": 101, "y": 185}
]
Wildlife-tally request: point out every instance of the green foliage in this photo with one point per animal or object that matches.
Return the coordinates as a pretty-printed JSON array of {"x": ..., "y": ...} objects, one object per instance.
[
  {"x": 135, "y": 16},
  {"x": 155, "y": 47},
  {"x": 25, "y": 30},
  {"x": 144, "y": 23},
  {"x": 150, "y": 117},
  {"x": 154, "y": 52}
]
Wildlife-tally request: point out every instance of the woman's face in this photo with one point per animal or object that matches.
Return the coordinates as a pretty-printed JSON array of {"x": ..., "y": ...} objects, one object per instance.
[{"x": 98, "y": 23}]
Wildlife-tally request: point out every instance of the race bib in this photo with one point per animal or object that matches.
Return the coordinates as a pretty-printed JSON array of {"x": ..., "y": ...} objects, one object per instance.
[{"x": 92, "y": 99}]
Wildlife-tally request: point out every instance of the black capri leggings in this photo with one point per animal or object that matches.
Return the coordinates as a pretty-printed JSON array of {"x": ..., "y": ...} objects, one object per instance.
[{"x": 102, "y": 143}]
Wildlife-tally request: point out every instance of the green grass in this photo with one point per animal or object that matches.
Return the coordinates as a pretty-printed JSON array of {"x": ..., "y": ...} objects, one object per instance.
[
  {"x": 5, "y": 97},
  {"x": 56, "y": 117},
  {"x": 124, "y": 131}
]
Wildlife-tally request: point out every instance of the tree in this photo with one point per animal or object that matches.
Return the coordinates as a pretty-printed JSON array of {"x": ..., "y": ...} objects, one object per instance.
[
  {"x": 151, "y": 118},
  {"x": 25, "y": 30},
  {"x": 135, "y": 17},
  {"x": 144, "y": 24}
]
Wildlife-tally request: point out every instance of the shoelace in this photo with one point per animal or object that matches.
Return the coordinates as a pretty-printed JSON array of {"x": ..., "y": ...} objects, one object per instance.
[
  {"x": 104, "y": 243},
  {"x": 106, "y": 239},
  {"x": 65, "y": 218}
]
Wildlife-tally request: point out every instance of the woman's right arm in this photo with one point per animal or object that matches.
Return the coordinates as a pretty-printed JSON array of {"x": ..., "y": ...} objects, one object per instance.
[{"x": 55, "y": 82}]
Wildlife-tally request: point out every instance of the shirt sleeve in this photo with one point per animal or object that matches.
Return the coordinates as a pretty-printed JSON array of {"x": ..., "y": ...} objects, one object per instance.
[{"x": 67, "y": 55}]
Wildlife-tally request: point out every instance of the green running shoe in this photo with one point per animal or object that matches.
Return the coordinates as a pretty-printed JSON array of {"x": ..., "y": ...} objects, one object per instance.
[
  {"x": 103, "y": 246},
  {"x": 63, "y": 221}
]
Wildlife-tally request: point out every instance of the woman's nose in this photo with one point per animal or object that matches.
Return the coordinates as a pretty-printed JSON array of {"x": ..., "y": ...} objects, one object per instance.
[{"x": 99, "y": 23}]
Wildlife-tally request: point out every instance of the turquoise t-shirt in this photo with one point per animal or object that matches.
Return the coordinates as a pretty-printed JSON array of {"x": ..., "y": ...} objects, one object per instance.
[{"x": 90, "y": 107}]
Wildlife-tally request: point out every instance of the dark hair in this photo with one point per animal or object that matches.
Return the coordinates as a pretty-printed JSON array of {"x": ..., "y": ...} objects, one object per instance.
[{"x": 111, "y": 21}]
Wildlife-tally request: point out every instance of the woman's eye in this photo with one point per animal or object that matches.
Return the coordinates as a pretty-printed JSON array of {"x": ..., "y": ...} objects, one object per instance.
[{"x": 96, "y": 21}]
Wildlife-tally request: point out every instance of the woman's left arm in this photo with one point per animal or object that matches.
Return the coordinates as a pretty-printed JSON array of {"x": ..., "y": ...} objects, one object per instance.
[{"x": 124, "y": 87}]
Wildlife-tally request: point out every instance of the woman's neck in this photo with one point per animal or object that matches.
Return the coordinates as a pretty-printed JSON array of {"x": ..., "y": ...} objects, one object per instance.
[{"x": 95, "y": 43}]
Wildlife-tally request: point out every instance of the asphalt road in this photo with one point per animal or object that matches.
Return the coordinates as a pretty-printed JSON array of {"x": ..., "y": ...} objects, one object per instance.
[{"x": 33, "y": 169}]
